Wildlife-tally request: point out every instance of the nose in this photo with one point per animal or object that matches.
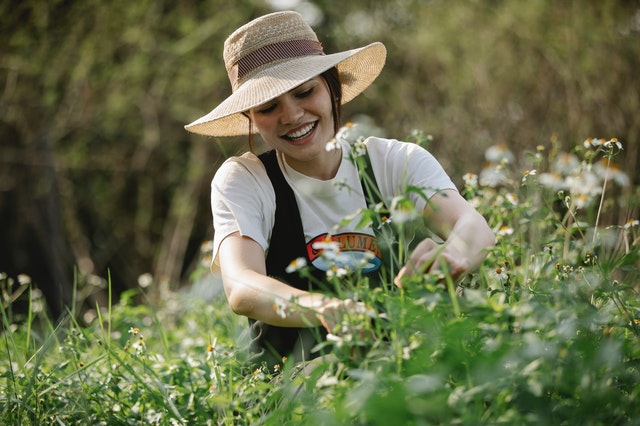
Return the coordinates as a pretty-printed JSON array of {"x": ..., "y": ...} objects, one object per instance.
[{"x": 292, "y": 111}]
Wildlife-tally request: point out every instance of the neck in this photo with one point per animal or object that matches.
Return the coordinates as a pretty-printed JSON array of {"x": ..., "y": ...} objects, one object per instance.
[{"x": 322, "y": 167}]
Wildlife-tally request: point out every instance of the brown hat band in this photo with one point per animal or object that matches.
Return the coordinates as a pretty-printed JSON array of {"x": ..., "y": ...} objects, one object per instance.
[{"x": 269, "y": 53}]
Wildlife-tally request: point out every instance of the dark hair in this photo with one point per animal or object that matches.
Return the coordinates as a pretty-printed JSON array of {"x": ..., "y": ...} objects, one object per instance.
[{"x": 332, "y": 78}]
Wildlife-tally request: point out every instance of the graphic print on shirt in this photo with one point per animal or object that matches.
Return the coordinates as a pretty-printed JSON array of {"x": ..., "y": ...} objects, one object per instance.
[{"x": 352, "y": 251}]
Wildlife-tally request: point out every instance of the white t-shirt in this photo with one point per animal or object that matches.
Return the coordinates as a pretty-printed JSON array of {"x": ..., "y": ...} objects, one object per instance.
[{"x": 243, "y": 199}]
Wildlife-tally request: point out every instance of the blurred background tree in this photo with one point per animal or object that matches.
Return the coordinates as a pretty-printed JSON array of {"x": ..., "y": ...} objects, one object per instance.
[{"x": 98, "y": 176}]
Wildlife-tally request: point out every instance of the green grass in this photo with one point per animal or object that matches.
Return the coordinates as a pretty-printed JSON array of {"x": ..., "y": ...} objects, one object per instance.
[{"x": 545, "y": 332}]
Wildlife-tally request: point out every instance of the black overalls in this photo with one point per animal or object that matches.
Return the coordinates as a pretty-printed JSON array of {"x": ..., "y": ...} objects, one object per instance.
[{"x": 270, "y": 343}]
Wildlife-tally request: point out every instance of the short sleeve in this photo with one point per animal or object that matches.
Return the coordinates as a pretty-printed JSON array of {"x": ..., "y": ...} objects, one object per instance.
[
  {"x": 399, "y": 164},
  {"x": 242, "y": 200}
]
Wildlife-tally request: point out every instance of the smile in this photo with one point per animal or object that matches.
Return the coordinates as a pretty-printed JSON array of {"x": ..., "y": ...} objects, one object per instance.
[{"x": 302, "y": 132}]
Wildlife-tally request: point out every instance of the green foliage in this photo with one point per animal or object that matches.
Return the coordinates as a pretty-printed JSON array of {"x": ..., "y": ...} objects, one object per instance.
[{"x": 547, "y": 331}]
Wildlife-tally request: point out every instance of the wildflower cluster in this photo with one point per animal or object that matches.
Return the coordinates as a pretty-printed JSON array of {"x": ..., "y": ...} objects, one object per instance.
[
  {"x": 577, "y": 179},
  {"x": 280, "y": 308},
  {"x": 354, "y": 133},
  {"x": 567, "y": 186},
  {"x": 584, "y": 179},
  {"x": 495, "y": 172},
  {"x": 138, "y": 345}
]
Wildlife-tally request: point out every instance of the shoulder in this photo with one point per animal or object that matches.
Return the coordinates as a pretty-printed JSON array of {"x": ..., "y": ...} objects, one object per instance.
[
  {"x": 244, "y": 167},
  {"x": 383, "y": 150},
  {"x": 240, "y": 175},
  {"x": 383, "y": 144},
  {"x": 399, "y": 163}
]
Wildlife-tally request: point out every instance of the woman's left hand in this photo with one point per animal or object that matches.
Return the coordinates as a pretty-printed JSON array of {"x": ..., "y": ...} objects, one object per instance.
[
  {"x": 428, "y": 257},
  {"x": 466, "y": 235}
]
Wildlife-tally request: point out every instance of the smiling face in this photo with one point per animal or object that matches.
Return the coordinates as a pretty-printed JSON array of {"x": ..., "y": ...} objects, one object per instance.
[{"x": 299, "y": 124}]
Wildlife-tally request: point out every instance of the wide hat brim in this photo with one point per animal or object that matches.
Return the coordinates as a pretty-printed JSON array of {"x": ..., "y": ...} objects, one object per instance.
[{"x": 358, "y": 68}]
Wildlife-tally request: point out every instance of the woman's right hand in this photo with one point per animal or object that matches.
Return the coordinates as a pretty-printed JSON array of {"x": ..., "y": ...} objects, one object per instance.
[
  {"x": 334, "y": 311},
  {"x": 250, "y": 292}
]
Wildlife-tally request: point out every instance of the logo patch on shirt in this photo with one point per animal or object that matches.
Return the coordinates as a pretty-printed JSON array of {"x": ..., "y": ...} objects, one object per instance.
[{"x": 354, "y": 251}]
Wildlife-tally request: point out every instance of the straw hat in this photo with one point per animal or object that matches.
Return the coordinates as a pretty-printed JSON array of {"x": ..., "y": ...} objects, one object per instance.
[{"x": 276, "y": 53}]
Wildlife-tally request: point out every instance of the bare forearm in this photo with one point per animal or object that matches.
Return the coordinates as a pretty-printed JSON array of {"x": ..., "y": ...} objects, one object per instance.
[
  {"x": 266, "y": 299},
  {"x": 472, "y": 237},
  {"x": 466, "y": 233},
  {"x": 252, "y": 293},
  {"x": 466, "y": 239}
]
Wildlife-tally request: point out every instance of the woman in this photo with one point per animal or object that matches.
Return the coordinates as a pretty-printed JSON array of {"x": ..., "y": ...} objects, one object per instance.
[{"x": 272, "y": 210}]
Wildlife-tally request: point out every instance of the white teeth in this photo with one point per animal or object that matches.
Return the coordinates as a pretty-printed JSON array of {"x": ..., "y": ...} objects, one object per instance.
[{"x": 302, "y": 132}]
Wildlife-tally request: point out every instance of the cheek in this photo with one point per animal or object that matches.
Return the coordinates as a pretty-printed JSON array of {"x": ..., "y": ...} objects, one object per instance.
[{"x": 260, "y": 123}]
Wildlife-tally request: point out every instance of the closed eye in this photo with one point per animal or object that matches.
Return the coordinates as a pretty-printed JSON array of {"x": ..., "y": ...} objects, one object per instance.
[
  {"x": 267, "y": 109},
  {"x": 305, "y": 93}
]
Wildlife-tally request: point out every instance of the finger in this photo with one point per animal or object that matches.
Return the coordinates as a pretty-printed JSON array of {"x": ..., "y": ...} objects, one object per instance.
[
  {"x": 418, "y": 264},
  {"x": 398, "y": 279},
  {"x": 424, "y": 253},
  {"x": 328, "y": 316},
  {"x": 425, "y": 245},
  {"x": 450, "y": 264},
  {"x": 425, "y": 262}
]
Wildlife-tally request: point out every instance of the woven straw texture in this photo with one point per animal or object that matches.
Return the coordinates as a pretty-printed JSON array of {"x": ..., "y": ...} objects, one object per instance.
[{"x": 358, "y": 68}]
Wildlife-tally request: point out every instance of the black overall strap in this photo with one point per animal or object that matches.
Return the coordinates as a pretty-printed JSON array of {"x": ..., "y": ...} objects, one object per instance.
[
  {"x": 287, "y": 236},
  {"x": 287, "y": 244}
]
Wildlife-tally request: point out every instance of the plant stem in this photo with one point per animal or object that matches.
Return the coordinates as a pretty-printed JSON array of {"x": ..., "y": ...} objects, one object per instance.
[{"x": 604, "y": 187}]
